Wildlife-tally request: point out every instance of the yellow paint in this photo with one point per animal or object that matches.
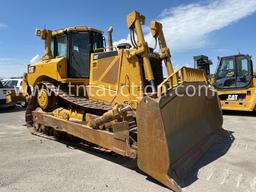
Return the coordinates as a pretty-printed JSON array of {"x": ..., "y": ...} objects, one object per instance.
[
  {"x": 248, "y": 104},
  {"x": 115, "y": 79},
  {"x": 55, "y": 69},
  {"x": 69, "y": 115},
  {"x": 115, "y": 76},
  {"x": 43, "y": 99}
]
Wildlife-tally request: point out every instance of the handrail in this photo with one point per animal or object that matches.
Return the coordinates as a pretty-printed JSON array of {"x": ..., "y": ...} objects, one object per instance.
[{"x": 181, "y": 75}]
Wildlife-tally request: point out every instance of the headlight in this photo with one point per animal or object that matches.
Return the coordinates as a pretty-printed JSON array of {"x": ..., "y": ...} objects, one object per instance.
[{"x": 31, "y": 69}]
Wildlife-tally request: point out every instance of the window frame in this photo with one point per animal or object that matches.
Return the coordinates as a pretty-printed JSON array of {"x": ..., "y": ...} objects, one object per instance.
[{"x": 237, "y": 60}]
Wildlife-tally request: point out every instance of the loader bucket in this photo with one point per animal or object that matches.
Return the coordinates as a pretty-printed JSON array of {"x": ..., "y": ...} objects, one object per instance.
[{"x": 174, "y": 132}]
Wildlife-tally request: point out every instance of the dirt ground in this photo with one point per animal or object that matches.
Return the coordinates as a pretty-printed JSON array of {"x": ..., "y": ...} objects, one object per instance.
[{"x": 29, "y": 163}]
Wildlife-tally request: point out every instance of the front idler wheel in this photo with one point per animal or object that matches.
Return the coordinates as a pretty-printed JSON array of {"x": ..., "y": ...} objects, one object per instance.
[{"x": 46, "y": 99}]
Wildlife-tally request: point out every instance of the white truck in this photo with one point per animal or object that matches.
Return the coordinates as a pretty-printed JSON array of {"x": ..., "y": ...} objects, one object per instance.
[
  {"x": 14, "y": 87},
  {"x": 3, "y": 92},
  {"x": 13, "y": 83},
  {"x": 2, "y": 97}
]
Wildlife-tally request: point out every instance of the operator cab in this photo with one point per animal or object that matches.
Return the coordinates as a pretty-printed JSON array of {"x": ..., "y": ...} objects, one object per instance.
[
  {"x": 76, "y": 45},
  {"x": 234, "y": 72}
]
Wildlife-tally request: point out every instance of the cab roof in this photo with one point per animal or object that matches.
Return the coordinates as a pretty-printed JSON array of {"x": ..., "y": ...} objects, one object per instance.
[
  {"x": 237, "y": 55},
  {"x": 76, "y": 28}
]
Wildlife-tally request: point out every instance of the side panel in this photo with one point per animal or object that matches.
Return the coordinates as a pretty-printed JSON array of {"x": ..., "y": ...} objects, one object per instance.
[
  {"x": 104, "y": 76},
  {"x": 130, "y": 85},
  {"x": 114, "y": 79},
  {"x": 55, "y": 69}
]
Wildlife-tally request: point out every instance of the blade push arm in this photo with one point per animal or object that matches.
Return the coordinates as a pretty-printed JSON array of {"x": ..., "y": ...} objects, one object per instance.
[
  {"x": 157, "y": 33},
  {"x": 135, "y": 21}
]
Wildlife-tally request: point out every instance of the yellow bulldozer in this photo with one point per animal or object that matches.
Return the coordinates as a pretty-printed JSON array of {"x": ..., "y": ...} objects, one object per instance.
[
  {"x": 118, "y": 99},
  {"x": 236, "y": 83}
]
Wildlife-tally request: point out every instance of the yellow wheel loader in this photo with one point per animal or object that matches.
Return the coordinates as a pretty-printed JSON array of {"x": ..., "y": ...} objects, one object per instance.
[
  {"x": 236, "y": 83},
  {"x": 117, "y": 99}
]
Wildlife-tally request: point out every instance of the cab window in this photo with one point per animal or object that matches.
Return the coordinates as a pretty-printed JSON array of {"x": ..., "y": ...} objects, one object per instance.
[
  {"x": 97, "y": 42},
  {"x": 52, "y": 47},
  {"x": 61, "y": 46},
  {"x": 80, "y": 55},
  {"x": 244, "y": 72},
  {"x": 227, "y": 68},
  {"x": 243, "y": 68}
]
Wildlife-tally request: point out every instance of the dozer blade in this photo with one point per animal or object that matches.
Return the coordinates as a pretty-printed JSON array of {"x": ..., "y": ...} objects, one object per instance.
[{"x": 174, "y": 132}]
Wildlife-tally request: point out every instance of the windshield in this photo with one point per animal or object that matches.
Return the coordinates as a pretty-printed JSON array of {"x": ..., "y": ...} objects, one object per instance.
[
  {"x": 1, "y": 85},
  {"x": 234, "y": 72},
  {"x": 11, "y": 83}
]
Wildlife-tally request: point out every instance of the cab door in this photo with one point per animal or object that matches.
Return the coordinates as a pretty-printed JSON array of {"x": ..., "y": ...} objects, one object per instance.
[
  {"x": 79, "y": 58},
  {"x": 226, "y": 74},
  {"x": 244, "y": 72}
]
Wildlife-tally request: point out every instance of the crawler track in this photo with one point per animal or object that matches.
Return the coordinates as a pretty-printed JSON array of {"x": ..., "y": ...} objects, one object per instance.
[{"x": 76, "y": 102}]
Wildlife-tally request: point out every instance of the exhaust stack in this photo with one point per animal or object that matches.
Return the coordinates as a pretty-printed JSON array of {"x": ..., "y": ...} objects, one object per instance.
[{"x": 110, "y": 39}]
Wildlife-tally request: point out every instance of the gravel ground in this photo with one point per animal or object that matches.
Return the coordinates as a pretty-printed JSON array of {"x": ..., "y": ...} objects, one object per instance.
[{"x": 29, "y": 163}]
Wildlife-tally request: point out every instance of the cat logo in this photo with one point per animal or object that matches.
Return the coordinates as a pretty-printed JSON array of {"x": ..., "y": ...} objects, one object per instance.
[{"x": 232, "y": 97}]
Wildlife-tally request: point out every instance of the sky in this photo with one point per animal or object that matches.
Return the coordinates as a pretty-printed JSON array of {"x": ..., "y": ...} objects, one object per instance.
[{"x": 192, "y": 27}]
